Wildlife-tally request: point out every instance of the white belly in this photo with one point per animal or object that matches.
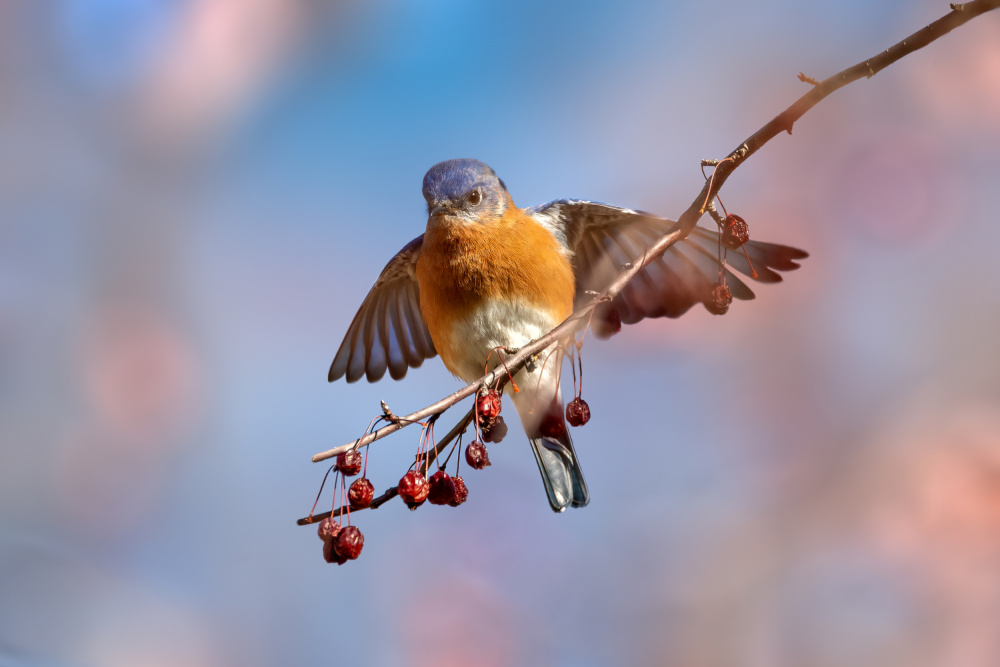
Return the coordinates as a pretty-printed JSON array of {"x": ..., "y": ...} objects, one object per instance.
[{"x": 509, "y": 323}]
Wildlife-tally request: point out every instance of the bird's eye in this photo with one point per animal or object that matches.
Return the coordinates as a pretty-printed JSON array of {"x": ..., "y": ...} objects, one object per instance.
[{"x": 475, "y": 197}]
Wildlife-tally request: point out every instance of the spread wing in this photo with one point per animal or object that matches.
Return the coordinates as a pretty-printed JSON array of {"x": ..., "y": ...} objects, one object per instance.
[
  {"x": 604, "y": 239},
  {"x": 388, "y": 331}
]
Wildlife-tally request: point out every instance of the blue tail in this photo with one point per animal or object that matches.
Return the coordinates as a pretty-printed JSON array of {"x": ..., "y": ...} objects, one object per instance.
[{"x": 561, "y": 473}]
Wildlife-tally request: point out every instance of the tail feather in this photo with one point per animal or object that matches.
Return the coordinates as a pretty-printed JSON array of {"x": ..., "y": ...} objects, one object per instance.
[
  {"x": 561, "y": 472},
  {"x": 540, "y": 406}
]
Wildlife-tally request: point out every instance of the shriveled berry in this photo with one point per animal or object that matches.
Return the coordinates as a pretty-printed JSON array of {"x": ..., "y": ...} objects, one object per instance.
[
  {"x": 330, "y": 554},
  {"x": 413, "y": 488},
  {"x": 606, "y": 322},
  {"x": 442, "y": 488},
  {"x": 476, "y": 455},
  {"x": 349, "y": 542},
  {"x": 349, "y": 463},
  {"x": 719, "y": 300},
  {"x": 488, "y": 407},
  {"x": 461, "y": 492},
  {"x": 495, "y": 432},
  {"x": 577, "y": 412},
  {"x": 360, "y": 493},
  {"x": 735, "y": 232},
  {"x": 328, "y": 529}
]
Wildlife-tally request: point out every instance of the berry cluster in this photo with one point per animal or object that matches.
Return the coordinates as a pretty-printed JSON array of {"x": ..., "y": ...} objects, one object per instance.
[
  {"x": 491, "y": 424},
  {"x": 734, "y": 234},
  {"x": 441, "y": 489},
  {"x": 340, "y": 543},
  {"x": 343, "y": 543}
]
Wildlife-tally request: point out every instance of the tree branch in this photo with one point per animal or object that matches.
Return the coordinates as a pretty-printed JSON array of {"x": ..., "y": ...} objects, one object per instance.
[
  {"x": 424, "y": 463},
  {"x": 783, "y": 122}
]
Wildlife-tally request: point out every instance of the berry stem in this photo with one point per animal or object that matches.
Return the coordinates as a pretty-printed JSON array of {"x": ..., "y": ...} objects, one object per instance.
[
  {"x": 335, "y": 504},
  {"x": 572, "y": 367},
  {"x": 502, "y": 361},
  {"x": 454, "y": 445},
  {"x": 456, "y": 430},
  {"x": 422, "y": 440},
  {"x": 343, "y": 498},
  {"x": 427, "y": 449},
  {"x": 579, "y": 361},
  {"x": 753, "y": 271},
  {"x": 320, "y": 493},
  {"x": 711, "y": 181}
]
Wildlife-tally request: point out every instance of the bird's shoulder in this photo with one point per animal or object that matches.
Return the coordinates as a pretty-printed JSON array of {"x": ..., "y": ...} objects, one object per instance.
[
  {"x": 570, "y": 220},
  {"x": 403, "y": 265}
]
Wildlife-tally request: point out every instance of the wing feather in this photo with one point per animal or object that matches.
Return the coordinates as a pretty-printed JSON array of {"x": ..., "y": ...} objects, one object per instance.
[
  {"x": 603, "y": 240},
  {"x": 388, "y": 332}
]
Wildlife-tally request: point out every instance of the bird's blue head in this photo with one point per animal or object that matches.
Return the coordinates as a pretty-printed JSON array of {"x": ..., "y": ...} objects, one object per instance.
[{"x": 465, "y": 189}]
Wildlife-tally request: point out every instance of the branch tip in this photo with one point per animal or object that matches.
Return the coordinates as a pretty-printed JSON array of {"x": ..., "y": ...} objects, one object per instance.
[{"x": 388, "y": 414}]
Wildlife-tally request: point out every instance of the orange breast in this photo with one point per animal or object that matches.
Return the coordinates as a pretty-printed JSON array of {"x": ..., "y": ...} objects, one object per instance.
[{"x": 462, "y": 266}]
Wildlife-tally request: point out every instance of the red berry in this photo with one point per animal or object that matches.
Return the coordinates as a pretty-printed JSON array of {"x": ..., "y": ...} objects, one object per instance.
[
  {"x": 413, "y": 488},
  {"x": 477, "y": 456},
  {"x": 577, "y": 412},
  {"x": 349, "y": 542},
  {"x": 330, "y": 554},
  {"x": 328, "y": 529},
  {"x": 495, "y": 432},
  {"x": 442, "y": 488},
  {"x": 349, "y": 463},
  {"x": 735, "y": 232},
  {"x": 461, "y": 492},
  {"x": 719, "y": 299},
  {"x": 606, "y": 322},
  {"x": 361, "y": 493},
  {"x": 488, "y": 407}
]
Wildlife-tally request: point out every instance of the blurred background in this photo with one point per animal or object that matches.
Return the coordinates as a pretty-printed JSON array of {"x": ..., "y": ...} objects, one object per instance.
[{"x": 196, "y": 195}]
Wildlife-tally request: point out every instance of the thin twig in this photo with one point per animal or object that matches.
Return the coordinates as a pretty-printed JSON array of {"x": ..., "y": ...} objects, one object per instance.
[{"x": 375, "y": 504}]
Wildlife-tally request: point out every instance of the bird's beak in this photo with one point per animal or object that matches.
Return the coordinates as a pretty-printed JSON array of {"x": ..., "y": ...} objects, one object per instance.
[{"x": 442, "y": 209}]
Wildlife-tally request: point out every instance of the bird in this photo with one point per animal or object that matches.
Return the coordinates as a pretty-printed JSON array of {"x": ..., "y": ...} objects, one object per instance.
[{"x": 486, "y": 274}]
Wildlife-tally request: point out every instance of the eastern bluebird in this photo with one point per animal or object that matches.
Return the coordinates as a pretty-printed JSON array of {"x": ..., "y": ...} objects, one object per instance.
[{"x": 487, "y": 274}]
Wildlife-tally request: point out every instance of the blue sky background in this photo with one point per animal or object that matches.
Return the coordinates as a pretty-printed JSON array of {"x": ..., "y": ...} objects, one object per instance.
[{"x": 196, "y": 195}]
